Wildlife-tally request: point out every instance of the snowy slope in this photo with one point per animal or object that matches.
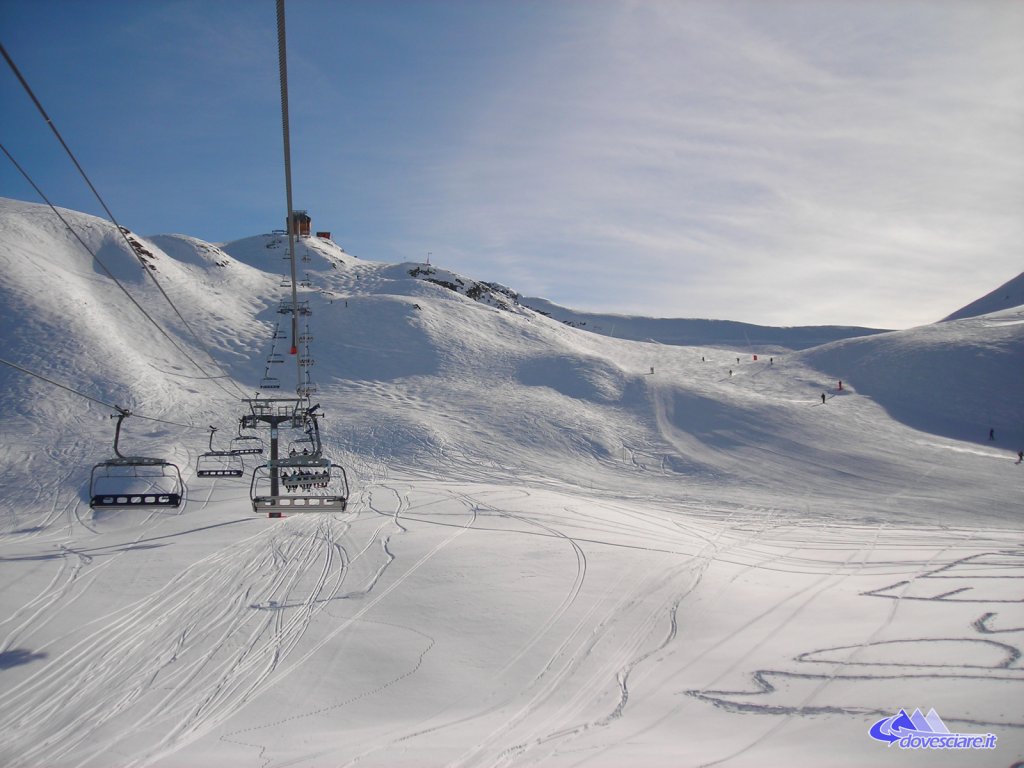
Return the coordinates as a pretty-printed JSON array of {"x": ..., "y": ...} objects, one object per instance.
[
  {"x": 727, "y": 334},
  {"x": 959, "y": 378},
  {"x": 552, "y": 555},
  {"x": 1007, "y": 296},
  {"x": 70, "y": 322}
]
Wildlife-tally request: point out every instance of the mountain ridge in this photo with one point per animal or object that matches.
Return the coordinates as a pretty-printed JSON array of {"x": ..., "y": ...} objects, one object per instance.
[{"x": 1007, "y": 296}]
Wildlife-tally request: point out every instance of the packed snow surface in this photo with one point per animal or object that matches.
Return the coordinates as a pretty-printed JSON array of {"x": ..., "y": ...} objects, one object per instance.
[{"x": 561, "y": 547}]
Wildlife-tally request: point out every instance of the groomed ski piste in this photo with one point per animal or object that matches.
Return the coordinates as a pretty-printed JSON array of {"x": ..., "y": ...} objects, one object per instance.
[{"x": 562, "y": 547}]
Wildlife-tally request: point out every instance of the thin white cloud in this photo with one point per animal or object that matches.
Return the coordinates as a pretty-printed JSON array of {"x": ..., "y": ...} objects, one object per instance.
[{"x": 773, "y": 162}]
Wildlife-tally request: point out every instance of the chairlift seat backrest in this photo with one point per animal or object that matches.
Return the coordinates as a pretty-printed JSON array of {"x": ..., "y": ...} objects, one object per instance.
[
  {"x": 221, "y": 472},
  {"x": 136, "y": 500},
  {"x": 246, "y": 451},
  {"x": 220, "y": 464},
  {"x": 278, "y": 504},
  {"x": 301, "y": 461},
  {"x": 135, "y": 461}
]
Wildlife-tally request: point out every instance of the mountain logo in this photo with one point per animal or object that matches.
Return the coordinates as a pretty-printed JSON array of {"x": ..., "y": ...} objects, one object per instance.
[{"x": 919, "y": 731}]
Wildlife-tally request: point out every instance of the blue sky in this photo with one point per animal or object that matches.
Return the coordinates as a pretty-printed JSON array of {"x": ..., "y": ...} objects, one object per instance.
[{"x": 800, "y": 162}]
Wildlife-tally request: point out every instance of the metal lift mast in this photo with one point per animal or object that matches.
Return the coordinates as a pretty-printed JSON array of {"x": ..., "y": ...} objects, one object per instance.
[
  {"x": 273, "y": 412},
  {"x": 282, "y": 57}
]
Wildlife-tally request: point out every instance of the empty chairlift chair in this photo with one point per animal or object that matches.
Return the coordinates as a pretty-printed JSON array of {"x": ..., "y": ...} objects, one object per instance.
[
  {"x": 134, "y": 481},
  {"x": 246, "y": 445},
  {"x": 219, "y": 463},
  {"x": 268, "y": 381}
]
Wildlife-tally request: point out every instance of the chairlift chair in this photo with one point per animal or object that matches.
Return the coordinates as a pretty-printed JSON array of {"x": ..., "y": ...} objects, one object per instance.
[
  {"x": 304, "y": 469},
  {"x": 303, "y": 446},
  {"x": 268, "y": 381},
  {"x": 246, "y": 444},
  {"x": 134, "y": 481},
  {"x": 311, "y": 481},
  {"x": 302, "y": 479},
  {"x": 301, "y": 308},
  {"x": 307, "y": 387},
  {"x": 219, "y": 463}
]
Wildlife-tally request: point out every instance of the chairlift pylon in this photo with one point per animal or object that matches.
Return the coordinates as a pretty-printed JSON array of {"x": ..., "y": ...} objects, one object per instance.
[{"x": 134, "y": 481}]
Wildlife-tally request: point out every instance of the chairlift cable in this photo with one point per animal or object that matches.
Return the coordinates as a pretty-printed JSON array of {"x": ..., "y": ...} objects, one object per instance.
[
  {"x": 110, "y": 215},
  {"x": 105, "y": 404}
]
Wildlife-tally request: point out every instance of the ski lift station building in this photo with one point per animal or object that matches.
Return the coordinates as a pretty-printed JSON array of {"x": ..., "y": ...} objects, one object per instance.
[{"x": 301, "y": 223}]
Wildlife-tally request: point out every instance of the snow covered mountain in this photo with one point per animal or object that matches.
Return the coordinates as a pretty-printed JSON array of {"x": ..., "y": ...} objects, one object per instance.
[
  {"x": 959, "y": 378},
  {"x": 1009, "y": 295},
  {"x": 561, "y": 546},
  {"x": 743, "y": 337}
]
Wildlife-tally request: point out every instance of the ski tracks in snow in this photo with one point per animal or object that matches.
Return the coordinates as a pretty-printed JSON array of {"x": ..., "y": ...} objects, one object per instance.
[
  {"x": 592, "y": 666},
  {"x": 182, "y": 659},
  {"x": 393, "y": 516}
]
